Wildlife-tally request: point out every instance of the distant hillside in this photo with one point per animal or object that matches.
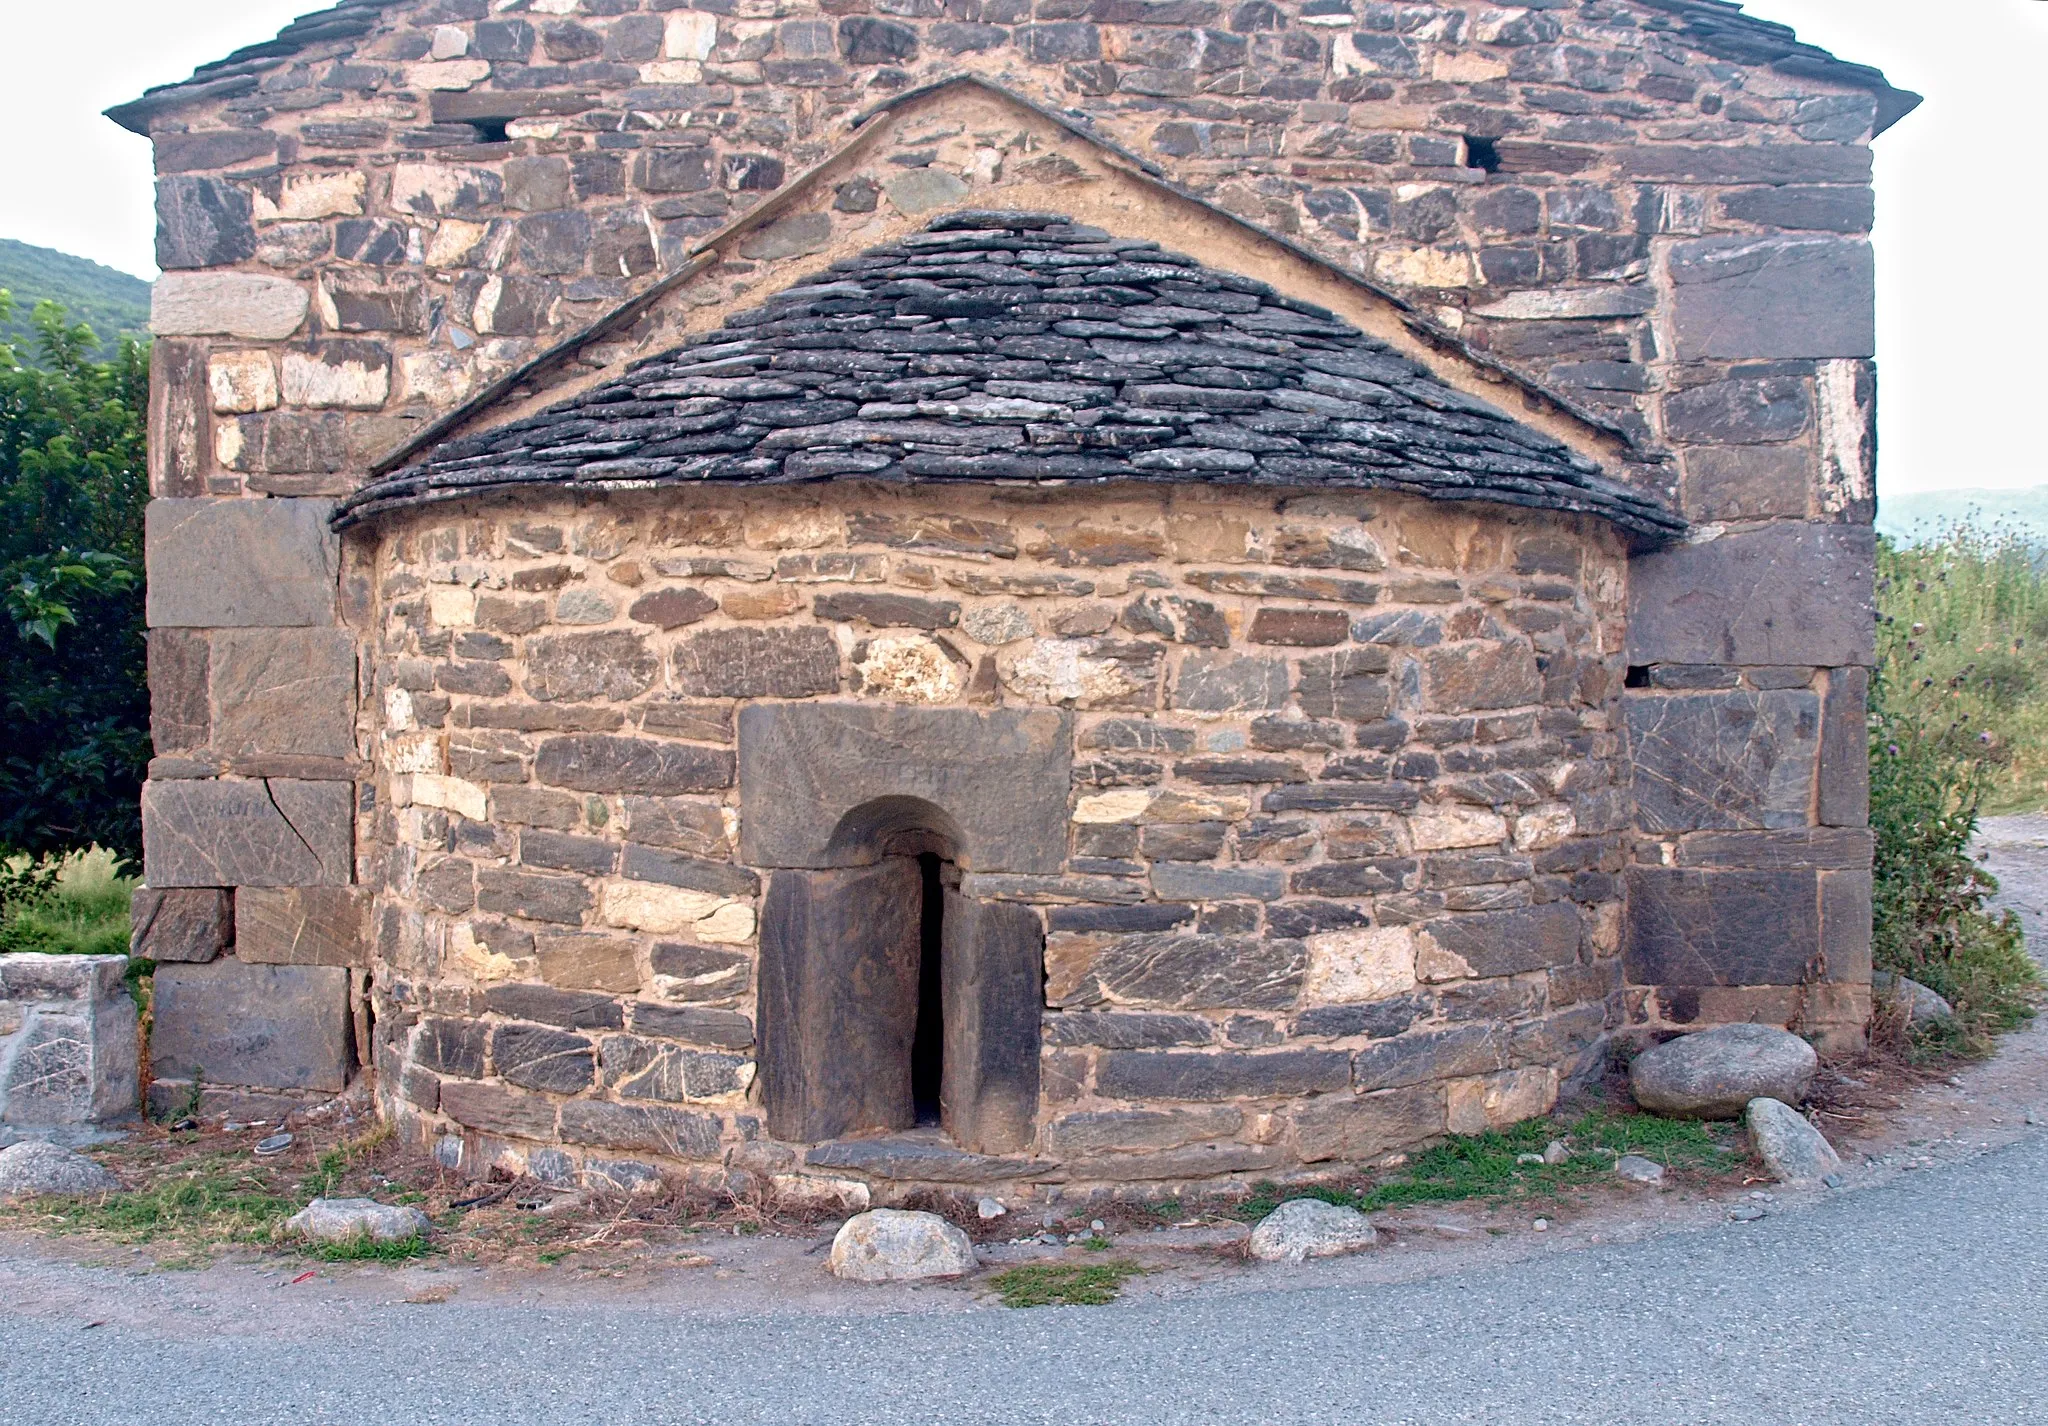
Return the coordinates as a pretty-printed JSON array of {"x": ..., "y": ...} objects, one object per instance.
[
  {"x": 113, "y": 303},
  {"x": 1928, "y": 512}
]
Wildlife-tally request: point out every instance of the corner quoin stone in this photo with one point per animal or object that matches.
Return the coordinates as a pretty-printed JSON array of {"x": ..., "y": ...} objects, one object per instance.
[
  {"x": 227, "y": 304},
  {"x": 219, "y": 564},
  {"x": 1798, "y": 594},
  {"x": 1001, "y": 777},
  {"x": 274, "y": 832},
  {"x": 1800, "y": 297},
  {"x": 260, "y": 1027}
]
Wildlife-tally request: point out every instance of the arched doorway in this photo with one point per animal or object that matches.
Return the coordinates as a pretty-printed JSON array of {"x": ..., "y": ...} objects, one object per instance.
[{"x": 889, "y": 999}]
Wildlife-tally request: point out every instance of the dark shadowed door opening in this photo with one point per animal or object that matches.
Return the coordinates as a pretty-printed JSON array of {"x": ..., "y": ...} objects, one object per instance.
[{"x": 928, "y": 1049}]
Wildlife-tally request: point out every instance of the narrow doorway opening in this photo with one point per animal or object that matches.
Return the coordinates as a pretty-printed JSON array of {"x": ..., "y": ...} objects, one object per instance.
[{"x": 928, "y": 1047}]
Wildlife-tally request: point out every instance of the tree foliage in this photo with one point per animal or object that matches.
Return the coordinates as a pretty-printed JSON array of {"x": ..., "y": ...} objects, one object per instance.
[{"x": 74, "y": 701}]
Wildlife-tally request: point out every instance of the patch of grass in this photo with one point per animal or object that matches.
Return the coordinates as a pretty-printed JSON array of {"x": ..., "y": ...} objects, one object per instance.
[
  {"x": 1059, "y": 1285},
  {"x": 1488, "y": 1165},
  {"x": 213, "y": 1199},
  {"x": 365, "y": 1249},
  {"x": 84, "y": 914}
]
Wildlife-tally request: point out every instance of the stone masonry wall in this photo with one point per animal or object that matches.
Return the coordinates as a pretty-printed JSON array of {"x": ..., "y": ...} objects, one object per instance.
[
  {"x": 1348, "y": 815},
  {"x": 385, "y": 224}
]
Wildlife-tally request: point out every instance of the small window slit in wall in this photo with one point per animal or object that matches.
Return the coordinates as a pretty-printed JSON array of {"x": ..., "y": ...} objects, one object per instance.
[
  {"x": 1638, "y": 676},
  {"x": 490, "y": 131},
  {"x": 1482, "y": 153}
]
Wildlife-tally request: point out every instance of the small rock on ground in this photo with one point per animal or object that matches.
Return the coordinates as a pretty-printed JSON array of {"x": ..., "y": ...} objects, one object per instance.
[
  {"x": 1792, "y": 1149},
  {"x": 1925, "y": 1007},
  {"x": 990, "y": 1208},
  {"x": 1715, "y": 1073},
  {"x": 1636, "y": 1169},
  {"x": 889, "y": 1245},
  {"x": 1303, "y": 1228},
  {"x": 33, "y": 1167},
  {"x": 343, "y": 1220}
]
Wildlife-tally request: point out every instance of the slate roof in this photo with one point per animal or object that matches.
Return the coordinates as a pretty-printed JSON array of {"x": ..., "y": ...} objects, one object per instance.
[{"x": 1022, "y": 347}]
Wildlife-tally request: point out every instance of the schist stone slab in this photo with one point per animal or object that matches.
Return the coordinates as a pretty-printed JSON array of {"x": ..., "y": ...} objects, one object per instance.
[
  {"x": 220, "y": 564},
  {"x": 1787, "y": 297},
  {"x": 283, "y": 692},
  {"x": 1733, "y": 759},
  {"x": 192, "y": 924},
  {"x": 1699, "y": 928},
  {"x": 300, "y": 925},
  {"x": 272, "y": 832},
  {"x": 69, "y": 1048},
  {"x": 999, "y": 778},
  {"x": 263, "y": 1027},
  {"x": 1795, "y": 594}
]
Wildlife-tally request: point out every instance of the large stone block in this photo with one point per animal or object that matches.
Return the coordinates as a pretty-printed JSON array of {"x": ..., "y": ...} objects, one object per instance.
[
  {"x": 1734, "y": 759},
  {"x": 186, "y": 924},
  {"x": 1486, "y": 944},
  {"x": 301, "y": 925},
  {"x": 283, "y": 692},
  {"x": 274, "y": 832},
  {"x": 1796, "y": 594},
  {"x": 217, "y": 564},
  {"x": 177, "y": 418},
  {"x": 69, "y": 1046},
  {"x": 1707, "y": 928},
  {"x": 1175, "y": 971},
  {"x": 202, "y": 222},
  {"x": 1739, "y": 412},
  {"x": 267, "y": 1027},
  {"x": 758, "y": 663},
  {"x": 1742, "y": 297},
  {"x": 592, "y": 762},
  {"x": 824, "y": 784},
  {"x": 1194, "y": 1074},
  {"x": 180, "y": 710},
  {"x": 1845, "y": 749},
  {"x": 1360, "y": 1127},
  {"x": 230, "y": 304}
]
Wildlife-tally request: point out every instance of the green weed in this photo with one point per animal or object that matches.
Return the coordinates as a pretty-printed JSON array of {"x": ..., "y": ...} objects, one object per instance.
[
  {"x": 84, "y": 913},
  {"x": 1055, "y": 1285},
  {"x": 365, "y": 1249},
  {"x": 214, "y": 1199}
]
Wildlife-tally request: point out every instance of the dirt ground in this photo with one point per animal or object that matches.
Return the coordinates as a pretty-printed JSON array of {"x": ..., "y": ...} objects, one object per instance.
[{"x": 690, "y": 1253}]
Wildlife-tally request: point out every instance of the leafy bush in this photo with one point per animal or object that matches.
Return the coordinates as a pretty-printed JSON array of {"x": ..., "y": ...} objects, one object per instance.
[
  {"x": 74, "y": 702},
  {"x": 1954, "y": 702}
]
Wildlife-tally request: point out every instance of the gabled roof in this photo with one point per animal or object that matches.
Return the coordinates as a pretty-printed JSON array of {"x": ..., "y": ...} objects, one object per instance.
[
  {"x": 1025, "y": 348},
  {"x": 1715, "y": 27}
]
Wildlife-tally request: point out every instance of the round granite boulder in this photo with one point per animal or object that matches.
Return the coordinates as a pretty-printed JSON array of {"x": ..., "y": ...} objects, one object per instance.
[
  {"x": 1304, "y": 1228},
  {"x": 889, "y": 1245},
  {"x": 1715, "y": 1073},
  {"x": 32, "y": 1168}
]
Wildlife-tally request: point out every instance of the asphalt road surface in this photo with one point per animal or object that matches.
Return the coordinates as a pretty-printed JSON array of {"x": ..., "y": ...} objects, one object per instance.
[{"x": 1921, "y": 1300}]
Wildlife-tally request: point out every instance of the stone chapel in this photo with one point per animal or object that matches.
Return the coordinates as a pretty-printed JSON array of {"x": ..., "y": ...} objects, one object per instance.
[{"x": 886, "y": 593}]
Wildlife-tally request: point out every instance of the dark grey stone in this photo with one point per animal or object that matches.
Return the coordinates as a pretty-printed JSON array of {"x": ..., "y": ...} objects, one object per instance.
[
  {"x": 276, "y": 832},
  {"x": 649, "y": 1069},
  {"x": 680, "y": 823},
  {"x": 1739, "y": 412},
  {"x": 186, "y": 925},
  {"x": 920, "y": 1161},
  {"x": 722, "y": 1029},
  {"x": 1228, "y": 1074},
  {"x": 1705, "y": 928},
  {"x": 1739, "y": 297},
  {"x": 450, "y": 1046},
  {"x": 1832, "y": 848},
  {"x": 1377, "y": 1020},
  {"x": 1351, "y": 685},
  {"x": 825, "y": 784},
  {"x": 1361, "y": 1127},
  {"x": 213, "y": 148},
  {"x": 1230, "y": 683},
  {"x": 610, "y": 664},
  {"x": 866, "y": 41},
  {"x": 888, "y": 611},
  {"x": 217, "y": 564},
  {"x": 1192, "y": 881},
  {"x": 1446, "y": 1052},
  {"x": 1103, "y": 1131},
  {"x": 575, "y": 1009},
  {"x": 1734, "y": 759},
  {"x": 1176, "y": 971},
  {"x": 671, "y": 1133},
  {"x": 992, "y": 977},
  {"x": 180, "y": 709},
  {"x": 1784, "y": 594},
  {"x": 1118, "y": 1031},
  {"x": 758, "y": 663},
  {"x": 1495, "y": 943},
  {"x": 301, "y": 925},
  {"x": 595, "y": 762},
  {"x": 1748, "y": 482},
  {"x": 269, "y": 1027},
  {"x": 283, "y": 692},
  {"x": 202, "y": 222},
  {"x": 1749, "y": 163},
  {"x": 1845, "y": 749},
  {"x": 1820, "y": 209},
  {"x": 700, "y": 973},
  {"x": 496, "y": 1109},
  {"x": 675, "y": 869}
]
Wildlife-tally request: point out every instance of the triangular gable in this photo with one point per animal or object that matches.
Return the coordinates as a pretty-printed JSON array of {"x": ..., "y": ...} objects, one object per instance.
[{"x": 1017, "y": 155}]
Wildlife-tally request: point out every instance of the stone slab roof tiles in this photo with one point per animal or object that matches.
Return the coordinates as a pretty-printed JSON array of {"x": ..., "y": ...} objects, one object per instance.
[{"x": 1021, "y": 347}]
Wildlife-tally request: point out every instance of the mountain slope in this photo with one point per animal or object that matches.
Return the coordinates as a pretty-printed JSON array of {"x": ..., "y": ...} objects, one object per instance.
[{"x": 113, "y": 303}]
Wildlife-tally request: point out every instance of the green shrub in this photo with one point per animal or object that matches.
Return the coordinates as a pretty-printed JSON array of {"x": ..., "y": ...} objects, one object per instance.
[
  {"x": 81, "y": 910},
  {"x": 1956, "y": 714}
]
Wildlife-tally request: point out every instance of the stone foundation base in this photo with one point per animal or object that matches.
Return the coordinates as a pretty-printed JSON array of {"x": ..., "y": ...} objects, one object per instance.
[{"x": 69, "y": 1046}]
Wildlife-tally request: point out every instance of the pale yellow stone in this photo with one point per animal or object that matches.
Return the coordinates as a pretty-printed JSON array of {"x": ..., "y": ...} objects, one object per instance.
[
  {"x": 305, "y": 196},
  {"x": 1199, "y": 535},
  {"x": 553, "y": 7},
  {"x": 909, "y": 668},
  {"x": 454, "y": 240},
  {"x": 309, "y": 381},
  {"x": 1348, "y": 967},
  {"x": 447, "y": 74},
  {"x": 487, "y": 300},
  {"x": 1467, "y": 67},
  {"x": 413, "y": 752},
  {"x": 533, "y": 129},
  {"x": 768, "y": 601},
  {"x": 795, "y": 527},
  {"x": 1183, "y": 804},
  {"x": 665, "y": 910},
  {"x": 819, "y": 1194},
  {"x": 691, "y": 34},
  {"x": 450, "y": 42},
  {"x": 729, "y": 925},
  {"x": 477, "y": 960},
  {"x": 1062, "y": 671},
  {"x": 672, "y": 71},
  {"x": 398, "y": 711},
  {"x": 1435, "y": 829},
  {"x": 441, "y": 379},
  {"x": 1422, "y": 267},
  {"x": 1123, "y": 804},
  {"x": 241, "y": 381},
  {"x": 451, "y": 794},
  {"x": 227, "y": 443},
  {"x": 1544, "y": 827},
  {"x": 1487, "y": 25},
  {"x": 1346, "y": 60},
  {"x": 1495, "y": 1101},
  {"x": 451, "y": 606}
]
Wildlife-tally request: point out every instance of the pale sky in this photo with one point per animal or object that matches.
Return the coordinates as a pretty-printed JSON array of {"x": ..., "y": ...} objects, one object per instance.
[{"x": 1960, "y": 193}]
